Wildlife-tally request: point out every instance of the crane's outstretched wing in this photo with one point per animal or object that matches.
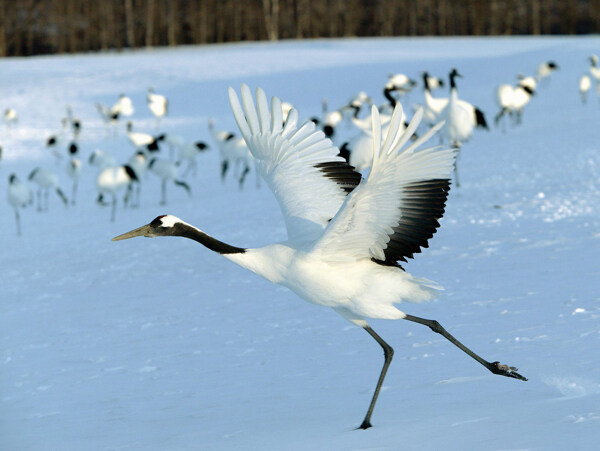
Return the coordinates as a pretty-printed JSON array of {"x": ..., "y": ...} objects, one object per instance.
[
  {"x": 393, "y": 214},
  {"x": 300, "y": 165}
]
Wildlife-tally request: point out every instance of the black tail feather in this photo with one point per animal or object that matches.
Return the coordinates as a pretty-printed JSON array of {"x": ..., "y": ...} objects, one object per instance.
[{"x": 480, "y": 119}]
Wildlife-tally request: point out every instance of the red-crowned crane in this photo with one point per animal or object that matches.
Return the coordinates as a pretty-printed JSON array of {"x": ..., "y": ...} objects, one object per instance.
[
  {"x": 345, "y": 235},
  {"x": 19, "y": 196}
]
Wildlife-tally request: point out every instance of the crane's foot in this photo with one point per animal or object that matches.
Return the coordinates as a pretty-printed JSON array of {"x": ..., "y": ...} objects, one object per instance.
[
  {"x": 365, "y": 425},
  {"x": 505, "y": 370}
]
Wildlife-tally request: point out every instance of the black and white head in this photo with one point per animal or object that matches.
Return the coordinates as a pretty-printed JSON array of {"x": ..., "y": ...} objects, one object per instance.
[
  {"x": 454, "y": 73},
  {"x": 12, "y": 179},
  {"x": 164, "y": 225},
  {"x": 552, "y": 65}
]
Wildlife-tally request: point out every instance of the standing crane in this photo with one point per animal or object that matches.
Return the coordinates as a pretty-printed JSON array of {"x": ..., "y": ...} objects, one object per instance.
[
  {"x": 19, "y": 196},
  {"x": 346, "y": 235}
]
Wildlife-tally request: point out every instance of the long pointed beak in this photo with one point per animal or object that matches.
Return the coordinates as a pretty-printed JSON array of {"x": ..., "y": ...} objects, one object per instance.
[{"x": 140, "y": 231}]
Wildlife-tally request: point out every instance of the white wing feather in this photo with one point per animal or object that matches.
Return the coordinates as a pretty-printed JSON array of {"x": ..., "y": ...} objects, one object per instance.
[
  {"x": 288, "y": 158},
  {"x": 370, "y": 214}
]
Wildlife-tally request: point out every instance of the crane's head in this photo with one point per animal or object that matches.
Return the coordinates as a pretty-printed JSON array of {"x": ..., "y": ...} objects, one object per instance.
[
  {"x": 164, "y": 225},
  {"x": 454, "y": 73}
]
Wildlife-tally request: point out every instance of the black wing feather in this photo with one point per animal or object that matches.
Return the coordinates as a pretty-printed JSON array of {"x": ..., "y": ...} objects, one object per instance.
[
  {"x": 423, "y": 204},
  {"x": 341, "y": 173}
]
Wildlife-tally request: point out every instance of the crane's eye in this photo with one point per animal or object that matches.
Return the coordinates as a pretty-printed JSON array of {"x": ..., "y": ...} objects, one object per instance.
[{"x": 157, "y": 222}]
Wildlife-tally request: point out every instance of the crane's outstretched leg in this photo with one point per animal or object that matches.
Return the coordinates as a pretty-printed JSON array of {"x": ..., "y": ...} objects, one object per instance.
[
  {"x": 494, "y": 367},
  {"x": 388, "y": 353}
]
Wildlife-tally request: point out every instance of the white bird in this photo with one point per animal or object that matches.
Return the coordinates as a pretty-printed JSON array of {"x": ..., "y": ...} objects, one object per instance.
[
  {"x": 166, "y": 171},
  {"x": 345, "y": 235},
  {"x": 111, "y": 180},
  {"x": 10, "y": 117},
  {"x": 123, "y": 106},
  {"x": 459, "y": 120},
  {"x": 73, "y": 169},
  {"x": 157, "y": 104},
  {"x": 513, "y": 99},
  {"x": 138, "y": 163},
  {"x": 234, "y": 152},
  {"x": 400, "y": 83},
  {"x": 595, "y": 71},
  {"x": 19, "y": 196},
  {"x": 74, "y": 121},
  {"x": 46, "y": 180},
  {"x": 358, "y": 152},
  {"x": 109, "y": 117},
  {"x": 544, "y": 70},
  {"x": 585, "y": 83},
  {"x": 188, "y": 152},
  {"x": 434, "y": 82},
  {"x": 101, "y": 159},
  {"x": 144, "y": 141},
  {"x": 55, "y": 141},
  {"x": 433, "y": 107}
]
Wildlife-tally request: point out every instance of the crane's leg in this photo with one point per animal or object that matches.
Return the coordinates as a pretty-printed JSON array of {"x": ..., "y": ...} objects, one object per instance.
[
  {"x": 39, "y": 199},
  {"x": 243, "y": 176},
  {"x": 74, "y": 191},
  {"x": 138, "y": 195},
  {"x": 494, "y": 367},
  {"x": 114, "y": 207},
  {"x": 224, "y": 167},
  {"x": 388, "y": 354},
  {"x": 18, "y": 218},
  {"x": 163, "y": 192},
  {"x": 456, "y": 180},
  {"x": 46, "y": 198}
]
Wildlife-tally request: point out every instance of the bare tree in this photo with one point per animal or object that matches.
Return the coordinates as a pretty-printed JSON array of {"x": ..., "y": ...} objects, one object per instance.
[{"x": 271, "y": 14}]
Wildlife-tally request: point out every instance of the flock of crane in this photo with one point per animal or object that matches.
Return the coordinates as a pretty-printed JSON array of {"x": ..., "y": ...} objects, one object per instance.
[
  {"x": 461, "y": 119},
  {"x": 353, "y": 208}
]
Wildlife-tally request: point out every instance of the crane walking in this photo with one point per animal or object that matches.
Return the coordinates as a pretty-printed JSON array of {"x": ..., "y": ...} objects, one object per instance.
[{"x": 346, "y": 235}]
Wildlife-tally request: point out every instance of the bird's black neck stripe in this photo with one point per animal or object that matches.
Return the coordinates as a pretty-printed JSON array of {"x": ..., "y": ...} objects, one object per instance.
[
  {"x": 528, "y": 90},
  {"x": 388, "y": 95},
  {"x": 208, "y": 241}
]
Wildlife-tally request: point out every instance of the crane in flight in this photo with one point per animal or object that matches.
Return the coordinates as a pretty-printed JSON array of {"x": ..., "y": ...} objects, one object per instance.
[{"x": 346, "y": 235}]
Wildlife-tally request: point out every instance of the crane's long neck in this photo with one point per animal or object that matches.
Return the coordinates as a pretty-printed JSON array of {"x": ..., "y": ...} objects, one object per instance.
[
  {"x": 188, "y": 231},
  {"x": 388, "y": 95},
  {"x": 269, "y": 262}
]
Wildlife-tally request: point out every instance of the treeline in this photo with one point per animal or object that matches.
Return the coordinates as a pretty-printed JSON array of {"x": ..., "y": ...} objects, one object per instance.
[{"x": 29, "y": 27}]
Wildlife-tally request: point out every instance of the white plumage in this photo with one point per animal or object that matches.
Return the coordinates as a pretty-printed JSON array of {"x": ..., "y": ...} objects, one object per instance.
[
  {"x": 46, "y": 180},
  {"x": 344, "y": 236},
  {"x": 234, "y": 153},
  {"x": 459, "y": 120},
  {"x": 188, "y": 153},
  {"x": 512, "y": 99},
  {"x": 101, "y": 159},
  {"x": 545, "y": 69},
  {"x": 19, "y": 195},
  {"x": 157, "y": 104},
  {"x": 73, "y": 170},
  {"x": 434, "y": 106},
  {"x": 123, "y": 106},
  {"x": 585, "y": 83},
  {"x": 166, "y": 171},
  {"x": 111, "y": 180}
]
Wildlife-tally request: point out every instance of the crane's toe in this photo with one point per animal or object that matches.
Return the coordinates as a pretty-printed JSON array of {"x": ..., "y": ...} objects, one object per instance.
[{"x": 505, "y": 370}]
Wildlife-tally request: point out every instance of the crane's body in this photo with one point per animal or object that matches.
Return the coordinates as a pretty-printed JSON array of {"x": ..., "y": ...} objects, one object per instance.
[
  {"x": 46, "y": 180},
  {"x": 346, "y": 235},
  {"x": 19, "y": 195},
  {"x": 167, "y": 171}
]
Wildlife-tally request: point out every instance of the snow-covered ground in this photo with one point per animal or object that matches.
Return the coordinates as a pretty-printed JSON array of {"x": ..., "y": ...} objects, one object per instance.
[{"x": 163, "y": 345}]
